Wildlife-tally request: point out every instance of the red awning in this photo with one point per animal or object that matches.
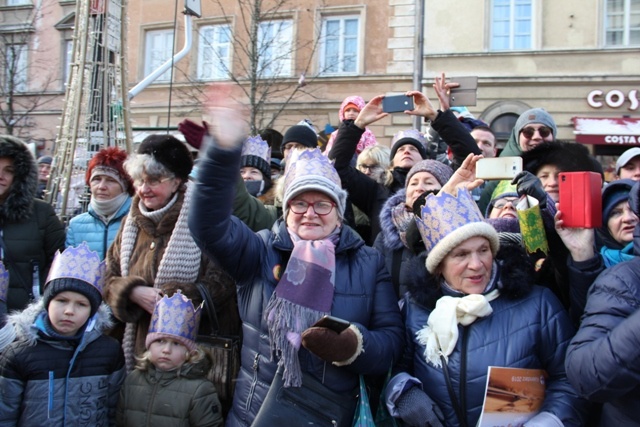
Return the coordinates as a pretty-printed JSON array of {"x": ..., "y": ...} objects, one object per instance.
[{"x": 607, "y": 131}]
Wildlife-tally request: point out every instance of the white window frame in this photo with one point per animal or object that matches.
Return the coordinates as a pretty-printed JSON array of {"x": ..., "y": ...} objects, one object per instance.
[
  {"x": 67, "y": 60},
  {"x": 275, "y": 48},
  {"x": 158, "y": 49},
  {"x": 21, "y": 74},
  {"x": 626, "y": 28},
  {"x": 343, "y": 41},
  {"x": 214, "y": 52},
  {"x": 18, "y": 2},
  {"x": 512, "y": 22}
]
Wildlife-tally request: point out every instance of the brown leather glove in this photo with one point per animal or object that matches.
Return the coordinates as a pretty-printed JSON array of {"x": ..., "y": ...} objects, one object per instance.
[{"x": 331, "y": 346}]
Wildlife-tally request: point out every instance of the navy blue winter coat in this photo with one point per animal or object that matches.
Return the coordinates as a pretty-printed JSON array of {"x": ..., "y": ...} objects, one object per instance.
[
  {"x": 528, "y": 328},
  {"x": 363, "y": 292},
  {"x": 603, "y": 359}
]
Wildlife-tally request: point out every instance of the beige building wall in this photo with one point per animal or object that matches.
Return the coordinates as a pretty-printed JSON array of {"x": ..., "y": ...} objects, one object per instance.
[{"x": 568, "y": 60}]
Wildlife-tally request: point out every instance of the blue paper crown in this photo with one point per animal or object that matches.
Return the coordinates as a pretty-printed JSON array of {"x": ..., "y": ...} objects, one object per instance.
[
  {"x": 443, "y": 214},
  {"x": 176, "y": 316},
  {"x": 79, "y": 263},
  {"x": 256, "y": 146},
  {"x": 305, "y": 163},
  {"x": 4, "y": 282}
]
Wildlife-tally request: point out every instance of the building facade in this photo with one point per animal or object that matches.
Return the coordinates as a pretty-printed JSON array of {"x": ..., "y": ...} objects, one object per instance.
[{"x": 580, "y": 60}]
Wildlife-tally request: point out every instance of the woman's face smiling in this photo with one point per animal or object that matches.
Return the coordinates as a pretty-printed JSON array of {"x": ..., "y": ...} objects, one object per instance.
[{"x": 310, "y": 225}]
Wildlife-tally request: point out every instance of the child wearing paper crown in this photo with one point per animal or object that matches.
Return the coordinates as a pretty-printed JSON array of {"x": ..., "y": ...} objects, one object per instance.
[
  {"x": 169, "y": 385},
  {"x": 62, "y": 370}
]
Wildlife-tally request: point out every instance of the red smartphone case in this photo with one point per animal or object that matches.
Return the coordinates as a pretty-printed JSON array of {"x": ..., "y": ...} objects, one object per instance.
[{"x": 581, "y": 199}]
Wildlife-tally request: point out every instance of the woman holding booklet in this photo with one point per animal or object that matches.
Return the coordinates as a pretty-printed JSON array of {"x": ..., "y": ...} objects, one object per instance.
[{"x": 475, "y": 306}]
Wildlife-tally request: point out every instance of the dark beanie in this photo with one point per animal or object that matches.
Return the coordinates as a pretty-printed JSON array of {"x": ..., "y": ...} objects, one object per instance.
[
  {"x": 55, "y": 286},
  {"x": 302, "y": 135},
  {"x": 614, "y": 193},
  {"x": 170, "y": 152},
  {"x": 47, "y": 160},
  {"x": 258, "y": 163},
  {"x": 406, "y": 140}
]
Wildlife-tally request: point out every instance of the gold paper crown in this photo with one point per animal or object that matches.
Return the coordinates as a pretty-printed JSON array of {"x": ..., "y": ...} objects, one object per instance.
[
  {"x": 177, "y": 318},
  {"x": 4, "y": 282},
  {"x": 79, "y": 263}
]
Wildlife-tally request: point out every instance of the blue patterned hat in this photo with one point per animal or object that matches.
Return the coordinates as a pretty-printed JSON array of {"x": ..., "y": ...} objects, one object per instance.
[
  {"x": 76, "y": 269},
  {"x": 447, "y": 221},
  {"x": 175, "y": 318},
  {"x": 309, "y": 170},
  {"x": 257, "y": 154},
  {"x": 4, "y": 282}
]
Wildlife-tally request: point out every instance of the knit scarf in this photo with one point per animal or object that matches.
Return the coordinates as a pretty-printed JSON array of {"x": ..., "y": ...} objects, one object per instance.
[
  {"x": 180, "y": 261},
  {"x": 105, "y": 209},
  {"x": 301, "y": 298},
  {"x": 615, "y": 256},
  {"x": 401, "y": 217},
  {"x": 440, "y": 334}
]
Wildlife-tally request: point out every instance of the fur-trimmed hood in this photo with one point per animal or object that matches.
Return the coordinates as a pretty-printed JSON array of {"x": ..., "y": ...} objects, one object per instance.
[
  {"x": 19, "y": 202},
  {"x": 24, "y": 323},
  {"x": 388, "y": 230},
  {"x": 516, "y": 276}
]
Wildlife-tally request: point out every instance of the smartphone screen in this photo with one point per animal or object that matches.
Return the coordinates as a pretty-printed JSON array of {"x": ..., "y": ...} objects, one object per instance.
[
  {"x": 334, "y": 323},
  {"x": 397, "y": 103}
]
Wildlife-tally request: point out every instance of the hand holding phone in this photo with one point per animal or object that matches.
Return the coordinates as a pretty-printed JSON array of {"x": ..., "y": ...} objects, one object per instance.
[
  {"x": 397, "y": 103},
  {"x": 334, "y": 323}
]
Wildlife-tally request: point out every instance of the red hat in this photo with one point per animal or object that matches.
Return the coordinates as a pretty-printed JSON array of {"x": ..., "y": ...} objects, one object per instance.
[
  {"x": 351, "y": 105},
  {"x": 110, "y": 159}
]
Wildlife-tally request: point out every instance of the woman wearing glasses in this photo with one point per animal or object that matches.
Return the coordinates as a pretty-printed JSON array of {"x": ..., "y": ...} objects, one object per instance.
[
  {"x": 154, "y": 253},
  {"x": 310, "y": 264}
]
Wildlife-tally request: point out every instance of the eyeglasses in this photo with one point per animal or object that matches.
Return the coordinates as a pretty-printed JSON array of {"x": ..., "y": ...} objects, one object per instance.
[
  {"x": 320, "y": 208},
  {"x": 528, "y": 132},
  {"x": 502, "y": 203},
  {"x": 369, "y": 167},
  {"x": 151, "y": 182}
]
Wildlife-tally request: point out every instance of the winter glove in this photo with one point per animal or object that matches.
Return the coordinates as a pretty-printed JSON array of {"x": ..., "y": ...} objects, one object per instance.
[
  {"x": 417, "y": 409},
  {"x": 193, "y": 132},
  {"x": 331, "y": 346},
  {"x": 530, "y": 185}
]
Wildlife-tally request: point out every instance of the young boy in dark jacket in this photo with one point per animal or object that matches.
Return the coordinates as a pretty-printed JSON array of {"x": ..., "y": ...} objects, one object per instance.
[{"x": 62, "y": 370}]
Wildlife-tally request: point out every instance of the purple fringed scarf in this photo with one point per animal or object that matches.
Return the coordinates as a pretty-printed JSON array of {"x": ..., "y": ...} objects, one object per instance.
[{"x": 301, "y": 298}]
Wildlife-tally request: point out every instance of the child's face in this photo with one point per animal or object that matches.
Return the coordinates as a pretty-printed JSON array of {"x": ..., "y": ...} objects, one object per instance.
[
  {"x": 68, "y": 312},
  {"x": 167, "y": 354}
]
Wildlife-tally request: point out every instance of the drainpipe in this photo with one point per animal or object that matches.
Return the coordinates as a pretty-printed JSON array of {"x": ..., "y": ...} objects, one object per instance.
[{"x": 418, "y": 56}]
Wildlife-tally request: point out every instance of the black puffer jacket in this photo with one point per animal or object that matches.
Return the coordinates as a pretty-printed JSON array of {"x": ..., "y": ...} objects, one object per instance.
[{"x": 30, "y": 229}]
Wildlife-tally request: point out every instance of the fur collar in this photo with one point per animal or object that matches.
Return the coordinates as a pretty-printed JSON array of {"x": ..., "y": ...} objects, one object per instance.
[
  {"x": 19, "y": 203},
  {"x": 516, "y": 274},
  {"x": 23, "y": 322},
  {"x": 388, "y": 230}
]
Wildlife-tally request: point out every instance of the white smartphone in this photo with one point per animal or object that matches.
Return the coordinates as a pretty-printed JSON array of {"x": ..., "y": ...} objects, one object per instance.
[{"x": 498, "y": 168}]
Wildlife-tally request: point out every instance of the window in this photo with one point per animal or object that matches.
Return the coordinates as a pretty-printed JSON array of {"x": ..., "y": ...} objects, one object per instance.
[
  {"x": 622, "y": 23},
  {"x": 67, "y": 59},
  {"x": 17, "y": 68},
  {"x": 275, "y": 48},
  {"x": 339, "y": 45},
  {"x": 158, "y": 50},
  {"x": 214, "y": 52},
  {"x": 511, "y": 24},
  {"x": 18, "y": 2}
]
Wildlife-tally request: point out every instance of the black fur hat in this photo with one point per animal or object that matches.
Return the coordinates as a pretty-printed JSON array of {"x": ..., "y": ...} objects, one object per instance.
[
  {"x": 567, "y": 156},
  {"x": 19, "y": 201},
  {"x": 170, "y": 152}
]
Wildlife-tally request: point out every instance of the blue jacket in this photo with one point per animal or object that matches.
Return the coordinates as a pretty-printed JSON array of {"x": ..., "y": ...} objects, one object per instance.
[
  {"x": 87, "y": 227},
  {"x": 528, "y": 328},
  {"x": 363, "y": 292},
  {"x": 46, "y": 381},
  {"x": 603, "y": 359}
]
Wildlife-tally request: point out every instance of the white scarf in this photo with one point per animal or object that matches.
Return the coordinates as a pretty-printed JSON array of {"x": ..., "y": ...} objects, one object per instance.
[
  {"x": 106, "y": 209},
  {"x": 440, "y": 334}
]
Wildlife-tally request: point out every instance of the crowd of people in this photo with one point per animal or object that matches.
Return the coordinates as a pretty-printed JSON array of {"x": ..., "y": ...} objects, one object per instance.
[{"x": 434, "y": 275}]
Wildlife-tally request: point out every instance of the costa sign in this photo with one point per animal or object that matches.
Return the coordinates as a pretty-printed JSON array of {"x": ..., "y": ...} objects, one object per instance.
[{"x": 614, "y": 98}]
